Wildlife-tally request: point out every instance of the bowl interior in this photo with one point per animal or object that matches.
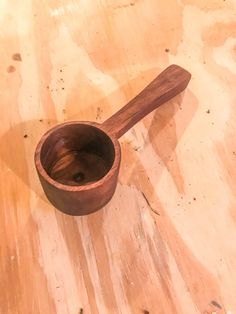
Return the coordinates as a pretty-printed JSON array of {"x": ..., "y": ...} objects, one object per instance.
[{"x": 77, "y": 154}]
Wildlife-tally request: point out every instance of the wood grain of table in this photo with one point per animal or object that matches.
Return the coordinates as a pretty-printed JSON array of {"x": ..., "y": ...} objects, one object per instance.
[{"x": 166, "y": 243}]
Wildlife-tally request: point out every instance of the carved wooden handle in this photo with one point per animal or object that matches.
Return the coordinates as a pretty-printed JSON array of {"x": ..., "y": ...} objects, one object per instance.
[{"x": 168, "y": 84}]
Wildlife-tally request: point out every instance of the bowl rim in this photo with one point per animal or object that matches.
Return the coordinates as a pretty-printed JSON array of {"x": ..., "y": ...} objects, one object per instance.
[{"x": 114, "y": 170}]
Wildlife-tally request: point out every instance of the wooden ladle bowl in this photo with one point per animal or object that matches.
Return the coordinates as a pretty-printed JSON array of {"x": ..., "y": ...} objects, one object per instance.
[{"x": 78, "y": 162}]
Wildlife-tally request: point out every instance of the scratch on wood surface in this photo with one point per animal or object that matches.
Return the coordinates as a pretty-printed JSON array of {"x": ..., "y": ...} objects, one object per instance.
[
  {"x": 149, "y": 205},
  {"x": 216, "y": 304}
]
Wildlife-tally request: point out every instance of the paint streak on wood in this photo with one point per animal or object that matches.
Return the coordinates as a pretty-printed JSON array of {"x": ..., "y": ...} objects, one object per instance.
[{"x": 67, "y": 60}]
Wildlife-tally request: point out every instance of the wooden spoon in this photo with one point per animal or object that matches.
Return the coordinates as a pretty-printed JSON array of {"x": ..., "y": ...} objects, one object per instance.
[{"x": 78, "y": 162}]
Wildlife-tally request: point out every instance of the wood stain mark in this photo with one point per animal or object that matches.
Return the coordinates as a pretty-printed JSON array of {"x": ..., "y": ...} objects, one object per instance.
[
  {"x": 11, "y": 69},
  {"x": 122, "y": 6},
  {"x": 16, "y": 57}
]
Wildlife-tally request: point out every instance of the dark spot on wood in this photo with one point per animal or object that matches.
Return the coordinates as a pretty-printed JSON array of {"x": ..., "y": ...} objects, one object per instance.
[
  {"x": 81, "y": 311},
  {"x": 16, "y": 57},
  {"x": 11, "y": 69},
  {"x": 99, "y": 112},
  {"x": 146, "y": 312},
  {"x": 167, "y": 50},
  {"x": 47, "y": 87},
  {"x": 40, "y": 120},
  {"x": 189, "y": 203},
  {"x": 208, "y": 111},
  {"x": 25, "y": 136},
  {"x": 57, "y": 287},
  {"x": 64, "y": 110},
  {"x": 79, "y": 177},
  {"x": 60, "y": 70},
  {"x": 132, "y": 3},
  {"x": 194, "y": 198},
  {"x": 63, "y": 88},
  {"x": 216, "y": 304}
]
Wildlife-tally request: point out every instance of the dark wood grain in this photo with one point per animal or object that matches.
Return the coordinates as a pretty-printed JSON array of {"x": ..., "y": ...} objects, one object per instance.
[{"x": 78, "y": 162}]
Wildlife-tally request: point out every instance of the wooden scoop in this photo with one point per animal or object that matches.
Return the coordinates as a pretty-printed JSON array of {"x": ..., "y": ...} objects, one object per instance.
[{"x": 78, "y": 162}]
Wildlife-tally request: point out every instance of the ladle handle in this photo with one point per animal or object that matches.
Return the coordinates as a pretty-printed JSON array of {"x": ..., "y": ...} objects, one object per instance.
[{"x": 165, "y": 86}]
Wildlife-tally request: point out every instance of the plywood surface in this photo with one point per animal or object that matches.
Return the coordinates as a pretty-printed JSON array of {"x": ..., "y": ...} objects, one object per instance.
[{"x": 166, "y": 243}]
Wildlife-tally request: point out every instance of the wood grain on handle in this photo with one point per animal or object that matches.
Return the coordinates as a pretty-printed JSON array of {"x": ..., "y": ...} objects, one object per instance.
[{"x": 168, "y": 84}]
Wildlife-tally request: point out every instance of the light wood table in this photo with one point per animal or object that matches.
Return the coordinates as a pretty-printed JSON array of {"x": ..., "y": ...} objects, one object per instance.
[{"x": 166, "y": 243}]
